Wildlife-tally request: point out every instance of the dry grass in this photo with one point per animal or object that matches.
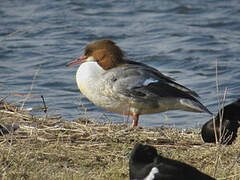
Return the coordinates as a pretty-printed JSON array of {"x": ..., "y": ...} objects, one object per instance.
[{"x": 50, "y": 148}]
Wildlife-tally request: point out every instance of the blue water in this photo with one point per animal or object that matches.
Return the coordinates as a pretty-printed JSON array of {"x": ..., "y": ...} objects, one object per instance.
[{"x": 182, "y": 39}]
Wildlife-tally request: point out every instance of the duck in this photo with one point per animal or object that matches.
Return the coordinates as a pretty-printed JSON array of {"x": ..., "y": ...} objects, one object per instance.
[
  {"x": 116, "y": 84},
  {"x": 146, "y": 164},
  {"x": 230, "y": 116}
]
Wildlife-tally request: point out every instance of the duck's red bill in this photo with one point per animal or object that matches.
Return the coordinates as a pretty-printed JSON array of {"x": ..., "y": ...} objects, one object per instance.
[{"x": 81, "y": 59}]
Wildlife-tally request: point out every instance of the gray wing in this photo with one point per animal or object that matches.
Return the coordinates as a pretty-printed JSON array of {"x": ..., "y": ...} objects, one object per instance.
[
  {"x": 137, "y": 83},
  {"x": 156, "y": 74},
  {"x": 141, "y": 81}
]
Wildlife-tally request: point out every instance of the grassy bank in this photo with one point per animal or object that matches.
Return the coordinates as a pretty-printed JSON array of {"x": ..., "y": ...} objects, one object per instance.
[{"x": 50, "y": 148}]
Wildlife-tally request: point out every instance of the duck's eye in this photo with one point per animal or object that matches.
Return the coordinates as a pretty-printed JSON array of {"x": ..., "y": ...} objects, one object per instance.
[{"x": 87, "y": 52}]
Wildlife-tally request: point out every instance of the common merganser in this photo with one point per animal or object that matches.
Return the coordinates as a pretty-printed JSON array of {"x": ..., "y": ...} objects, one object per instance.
[
  {"x": 146, "y": 164},
  {"x": 230, "y": 117},
  {"x": 122, "y": 86}
]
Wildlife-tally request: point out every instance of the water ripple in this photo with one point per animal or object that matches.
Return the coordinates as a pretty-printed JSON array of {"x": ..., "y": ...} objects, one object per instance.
[{"x": 182, "y": 39}]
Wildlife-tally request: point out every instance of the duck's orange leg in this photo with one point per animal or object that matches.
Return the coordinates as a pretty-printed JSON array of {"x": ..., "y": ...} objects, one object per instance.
[{"x": 135, "y": 120}]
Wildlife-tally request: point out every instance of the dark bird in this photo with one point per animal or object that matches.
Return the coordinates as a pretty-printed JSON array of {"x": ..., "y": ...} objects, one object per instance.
[
  {"x": 146, "y": 164},
  {"x": 230, "y": 116}
]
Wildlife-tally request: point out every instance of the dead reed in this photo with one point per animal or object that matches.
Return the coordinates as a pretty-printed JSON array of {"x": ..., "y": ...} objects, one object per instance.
[{"x": 48, "y": 147}]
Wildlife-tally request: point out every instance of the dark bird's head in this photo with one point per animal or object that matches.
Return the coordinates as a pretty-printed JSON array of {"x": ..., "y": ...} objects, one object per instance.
[{"x": 141, "y": 161}]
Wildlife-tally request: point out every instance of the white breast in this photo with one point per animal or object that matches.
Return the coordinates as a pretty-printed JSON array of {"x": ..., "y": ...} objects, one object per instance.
[
  {"x": 87, "y": 76},
  {"x": 93, "y": 82},
  {"x": 152, "y": 173}
]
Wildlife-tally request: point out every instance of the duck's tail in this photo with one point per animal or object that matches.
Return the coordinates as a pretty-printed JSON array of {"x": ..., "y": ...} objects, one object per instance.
[{"x": 194, "y": 106}]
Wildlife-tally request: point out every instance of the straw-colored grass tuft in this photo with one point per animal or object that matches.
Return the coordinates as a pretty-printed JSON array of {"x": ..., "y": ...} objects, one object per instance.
[{"x": 50, "y": 148}]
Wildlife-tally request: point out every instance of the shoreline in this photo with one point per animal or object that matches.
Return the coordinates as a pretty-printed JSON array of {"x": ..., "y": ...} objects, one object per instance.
[{"x": 48, "y": 147}]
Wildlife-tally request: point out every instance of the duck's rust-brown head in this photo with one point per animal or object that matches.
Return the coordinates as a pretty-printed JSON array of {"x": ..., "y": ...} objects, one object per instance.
[{"x": 105, "y": 52}]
